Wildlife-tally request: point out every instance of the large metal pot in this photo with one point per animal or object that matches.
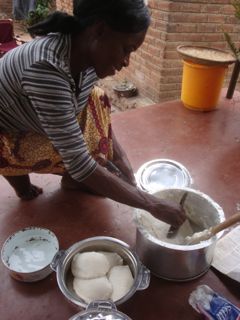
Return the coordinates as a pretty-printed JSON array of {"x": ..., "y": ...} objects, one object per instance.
[
  {"x": 180, "y": 262},
  {"x": 62, "y": 263}
]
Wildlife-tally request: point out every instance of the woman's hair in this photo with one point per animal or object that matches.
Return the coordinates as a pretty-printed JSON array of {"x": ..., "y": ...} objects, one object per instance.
[{"x": 129, "y": 16}]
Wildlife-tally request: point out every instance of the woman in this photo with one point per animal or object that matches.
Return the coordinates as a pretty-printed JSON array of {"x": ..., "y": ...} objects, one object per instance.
[{"x": 52, "y": 117}]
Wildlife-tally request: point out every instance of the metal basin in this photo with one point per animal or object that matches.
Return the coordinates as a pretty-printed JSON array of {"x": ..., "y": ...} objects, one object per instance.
[{"x": 180, "y": 262}]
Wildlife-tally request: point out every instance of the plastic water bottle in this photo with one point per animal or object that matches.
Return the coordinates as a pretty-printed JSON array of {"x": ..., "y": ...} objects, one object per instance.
[{"x": 215, "y": 307}]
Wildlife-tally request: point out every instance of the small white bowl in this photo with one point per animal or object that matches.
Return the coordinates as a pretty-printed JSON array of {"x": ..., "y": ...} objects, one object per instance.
[{"x": 28, "y": 253}]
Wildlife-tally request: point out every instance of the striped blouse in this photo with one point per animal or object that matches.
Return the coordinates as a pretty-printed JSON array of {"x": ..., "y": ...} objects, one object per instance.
[{"x": 38, "y": 93}]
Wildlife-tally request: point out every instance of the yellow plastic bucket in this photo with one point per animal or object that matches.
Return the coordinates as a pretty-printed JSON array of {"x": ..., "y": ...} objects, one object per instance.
[{"x": 201, "y": 85}]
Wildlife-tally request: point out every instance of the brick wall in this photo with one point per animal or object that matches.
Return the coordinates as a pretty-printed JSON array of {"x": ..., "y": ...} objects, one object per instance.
[
  {"x": 156, "y": 68},
  {"x": 5, "y": 9}
]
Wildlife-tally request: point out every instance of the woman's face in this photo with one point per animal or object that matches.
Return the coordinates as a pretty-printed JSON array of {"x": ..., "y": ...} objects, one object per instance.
[{"x": 110, "y": 51}]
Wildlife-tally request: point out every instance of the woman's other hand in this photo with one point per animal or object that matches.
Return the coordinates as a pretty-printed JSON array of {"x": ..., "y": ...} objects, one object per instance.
[
  {"x": 120, "y": 160},
  {"x": 126, "y": 170}
]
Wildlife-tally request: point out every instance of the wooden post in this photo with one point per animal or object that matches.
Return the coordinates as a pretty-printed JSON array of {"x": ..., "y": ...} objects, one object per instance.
[{"x": 233, "y": 80}]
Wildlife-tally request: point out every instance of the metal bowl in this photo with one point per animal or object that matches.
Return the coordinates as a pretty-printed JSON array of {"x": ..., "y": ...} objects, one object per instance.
[
  {"x": 174, "y": 261},
  {"x": 100, "y": 310},
  {"x": 125, "y": 89},
  {"x": 62, "y": 265},
  {"x": 27, "y": 254}
]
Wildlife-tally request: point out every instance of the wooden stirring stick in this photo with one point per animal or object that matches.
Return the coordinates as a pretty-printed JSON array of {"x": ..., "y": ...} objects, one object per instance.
[{"x": 209, "y": 233}]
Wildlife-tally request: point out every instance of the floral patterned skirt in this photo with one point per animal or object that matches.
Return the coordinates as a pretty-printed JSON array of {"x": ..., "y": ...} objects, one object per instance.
[{"x": 25, "y": 152}]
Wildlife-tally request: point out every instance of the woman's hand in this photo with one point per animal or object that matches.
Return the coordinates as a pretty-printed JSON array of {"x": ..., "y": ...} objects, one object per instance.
[{"x": 169, "y": 212}]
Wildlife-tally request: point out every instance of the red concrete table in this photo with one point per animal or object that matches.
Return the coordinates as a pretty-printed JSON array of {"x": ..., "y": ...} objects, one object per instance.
[{"x": 208, "y": 144}]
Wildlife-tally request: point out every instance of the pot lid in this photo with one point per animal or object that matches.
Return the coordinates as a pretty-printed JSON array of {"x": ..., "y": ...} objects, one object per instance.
[
  {"x": 162, "y": 173},
  {"x": 100, "y": 310}
]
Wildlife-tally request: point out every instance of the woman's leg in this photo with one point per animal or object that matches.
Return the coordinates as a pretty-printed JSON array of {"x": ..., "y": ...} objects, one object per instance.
[
  {"x": 18, "y": 157},
  {"x": 25, "y": 153},
  {"x": 23, "y": 187}
]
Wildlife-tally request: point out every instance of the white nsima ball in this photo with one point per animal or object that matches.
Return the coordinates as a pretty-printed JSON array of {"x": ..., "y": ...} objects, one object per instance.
[
  {"x": 93, "y": 289},
  {"x": 88, "y": 265}
]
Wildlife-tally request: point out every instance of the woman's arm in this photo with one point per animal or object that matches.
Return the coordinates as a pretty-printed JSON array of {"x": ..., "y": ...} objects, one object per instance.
[
  {"x": 121, "y": 161},
  {"x": 106, "y": 184}
]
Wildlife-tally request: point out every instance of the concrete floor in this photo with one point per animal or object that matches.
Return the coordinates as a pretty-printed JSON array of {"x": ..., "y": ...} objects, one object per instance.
[{"x": 208, "y": 144}]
